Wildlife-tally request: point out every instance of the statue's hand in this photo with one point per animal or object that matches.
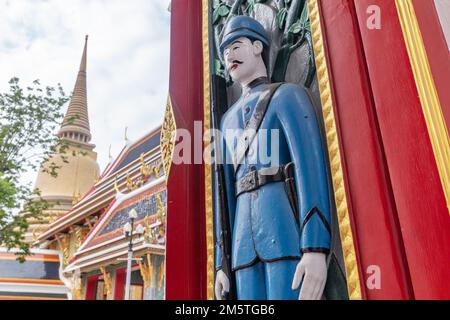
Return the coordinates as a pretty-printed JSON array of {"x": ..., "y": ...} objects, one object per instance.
[
  {"x": 222, "y": 285},
  {"x": 312, "y": 268}
]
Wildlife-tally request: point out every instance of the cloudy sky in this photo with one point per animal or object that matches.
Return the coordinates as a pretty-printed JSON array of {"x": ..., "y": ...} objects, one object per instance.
[{"x": 128, "y": 59}]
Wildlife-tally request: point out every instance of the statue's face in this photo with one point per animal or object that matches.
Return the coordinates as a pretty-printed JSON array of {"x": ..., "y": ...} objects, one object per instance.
[{"x": 242, "y": 59}]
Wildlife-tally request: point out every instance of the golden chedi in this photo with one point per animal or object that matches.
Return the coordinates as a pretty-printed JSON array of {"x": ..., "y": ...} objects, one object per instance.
[{"x": 78, "y": 173}]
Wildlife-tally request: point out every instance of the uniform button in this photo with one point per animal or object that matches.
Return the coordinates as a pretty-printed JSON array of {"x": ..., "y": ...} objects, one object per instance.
[
  {"x": 273, "y": 240},
  {"x": 247, "y": 109}
]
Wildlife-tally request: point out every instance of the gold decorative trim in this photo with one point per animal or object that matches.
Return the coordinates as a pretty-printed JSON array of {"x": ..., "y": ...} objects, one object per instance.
[
  {"x": 80, "y": 234},
  {"x": 145, "y": 272},
  {"x": 151, "y": 268},
  {"x": 108, "y": 283},
  {"x": 351, "y": 265},
  {"x": 208, "y": 175},
  {"x": 161, "y": 274},
  {"x": 64, "y": 247},
  {"x": 428, "y": 95},
  {"x": 76, "y": 286},
  {"x": 168, "y": 136}
]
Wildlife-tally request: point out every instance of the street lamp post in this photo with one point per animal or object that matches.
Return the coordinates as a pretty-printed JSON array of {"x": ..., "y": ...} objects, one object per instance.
[{"x": 128, "y": 229}]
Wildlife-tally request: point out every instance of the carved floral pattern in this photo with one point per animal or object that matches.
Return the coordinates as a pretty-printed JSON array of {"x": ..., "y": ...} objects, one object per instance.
[{"x": 168, "y": 136}]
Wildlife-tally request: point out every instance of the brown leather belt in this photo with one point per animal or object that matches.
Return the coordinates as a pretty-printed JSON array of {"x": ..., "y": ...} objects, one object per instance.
[{"x": 257, "y": 178}]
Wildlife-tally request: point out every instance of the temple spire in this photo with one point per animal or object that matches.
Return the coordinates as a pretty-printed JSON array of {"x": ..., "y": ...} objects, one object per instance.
[
  {"x": 83, "y": 58},
  {"x": 75, "y": 125}
]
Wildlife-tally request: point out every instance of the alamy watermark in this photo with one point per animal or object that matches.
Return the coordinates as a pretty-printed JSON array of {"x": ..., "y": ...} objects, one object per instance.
[
  {"x": 214, "y": 146},
  {"x": 374, "y": 17},
  {"x": 373, "y": 281}
]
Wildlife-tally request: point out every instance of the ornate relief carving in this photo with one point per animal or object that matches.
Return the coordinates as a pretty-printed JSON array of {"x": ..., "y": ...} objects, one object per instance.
[
  {"x": 156, "y": 233},
  {"x": 145, "y": 172},
  {"x": 145, "y": 168},
  {"x": 168, "y": 136},
  {"x": 288, "y": 59},
  {"x": 287, "y": 25},
  {"x": 80, "y": 233},
  {"x": 64, "y": 246},
  {"x": 131, "y": 185},
  {"x": 145, "y": 273},
  {"x": 116, "y": 184},
  {"x": 155, "y": 170}
]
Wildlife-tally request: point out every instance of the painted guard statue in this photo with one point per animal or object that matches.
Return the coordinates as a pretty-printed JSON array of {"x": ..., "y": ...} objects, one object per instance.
[{"x": 278, "y": 213}]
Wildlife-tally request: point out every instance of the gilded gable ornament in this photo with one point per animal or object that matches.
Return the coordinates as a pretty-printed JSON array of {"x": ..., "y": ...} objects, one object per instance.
[{"x": 168, "y": 136}]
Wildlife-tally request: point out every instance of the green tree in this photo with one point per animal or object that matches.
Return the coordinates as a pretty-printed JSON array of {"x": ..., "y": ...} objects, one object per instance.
[{"x": 28, "y": 120}]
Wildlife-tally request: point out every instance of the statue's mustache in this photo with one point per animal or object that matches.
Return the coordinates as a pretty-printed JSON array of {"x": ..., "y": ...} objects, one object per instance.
[{"x": 233, "y": 65}]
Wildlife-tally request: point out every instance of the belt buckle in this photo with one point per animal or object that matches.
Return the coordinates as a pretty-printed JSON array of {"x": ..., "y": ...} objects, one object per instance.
[{"x": 253, "y": 179}]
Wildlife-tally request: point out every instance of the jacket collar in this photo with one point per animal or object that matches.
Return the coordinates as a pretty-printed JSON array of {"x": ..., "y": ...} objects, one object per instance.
[{"x": 255, "y": 83}]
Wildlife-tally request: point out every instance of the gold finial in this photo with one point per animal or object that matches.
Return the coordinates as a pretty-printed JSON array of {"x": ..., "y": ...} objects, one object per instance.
[
  {"x": 126, "y": 135},
  {"x": 109, "y": 153},
  {"x": 156, "y": 170},
  {"x": 145, "y": 168},
  {"x": 159, "y": 204},
  {"x": 74, "y": 198},
  {"x": 130, "y": 184},
  {"x": 116, "y": 187}
]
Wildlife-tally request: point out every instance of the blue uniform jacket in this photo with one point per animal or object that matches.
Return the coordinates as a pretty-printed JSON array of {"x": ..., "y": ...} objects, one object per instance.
[{"x": 262, "y": 222}]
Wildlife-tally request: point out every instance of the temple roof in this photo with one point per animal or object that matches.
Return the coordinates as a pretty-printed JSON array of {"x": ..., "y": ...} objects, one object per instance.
[
  {"x": 132, "y": 151},
  {"x": 127, "y": 164},
  {"x": 106, "y": 240}
]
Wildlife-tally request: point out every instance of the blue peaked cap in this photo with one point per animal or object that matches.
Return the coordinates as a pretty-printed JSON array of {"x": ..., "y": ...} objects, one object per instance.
[{"x": 243, "y": 26}]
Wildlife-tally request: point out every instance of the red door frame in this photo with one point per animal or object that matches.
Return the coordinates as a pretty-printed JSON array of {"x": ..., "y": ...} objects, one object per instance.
[
  {"x": 186, "y": 245},
  {"x": 91, "y": 287},
  {"x": 119, "y": 284}
]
